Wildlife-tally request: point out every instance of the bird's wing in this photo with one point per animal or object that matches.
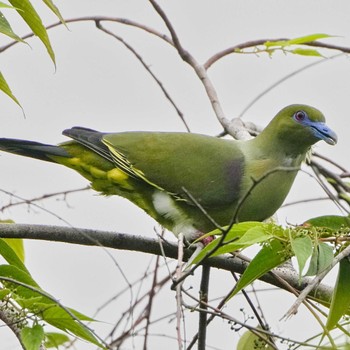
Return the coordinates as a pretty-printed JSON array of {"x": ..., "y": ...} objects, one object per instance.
[{"x": 208, "y": 168}]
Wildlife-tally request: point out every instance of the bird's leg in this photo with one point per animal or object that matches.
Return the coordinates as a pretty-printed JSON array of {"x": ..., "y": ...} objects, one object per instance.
[
  {"x": 199, "y": 245},
  {"x": 180, "y": 254}
]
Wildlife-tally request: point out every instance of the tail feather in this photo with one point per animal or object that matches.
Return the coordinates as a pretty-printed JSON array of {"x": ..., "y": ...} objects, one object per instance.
[{"x": 32, "y": 149}]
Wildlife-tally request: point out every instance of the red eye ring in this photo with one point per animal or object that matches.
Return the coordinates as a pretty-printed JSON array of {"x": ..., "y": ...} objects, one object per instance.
[{"x": 300, "y": 116}]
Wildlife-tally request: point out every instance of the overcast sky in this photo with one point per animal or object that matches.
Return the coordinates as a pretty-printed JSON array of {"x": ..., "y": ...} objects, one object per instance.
[{"x": 99, "y": 84}]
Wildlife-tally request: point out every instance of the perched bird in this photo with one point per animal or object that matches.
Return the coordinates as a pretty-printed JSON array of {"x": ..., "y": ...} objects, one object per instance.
[{"x": 175, "y": 177}]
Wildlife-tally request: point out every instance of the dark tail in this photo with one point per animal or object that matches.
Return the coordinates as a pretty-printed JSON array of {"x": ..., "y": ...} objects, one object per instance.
[
  {"x": 32, "y": 149},
  {"x": 91, "y": 139}
]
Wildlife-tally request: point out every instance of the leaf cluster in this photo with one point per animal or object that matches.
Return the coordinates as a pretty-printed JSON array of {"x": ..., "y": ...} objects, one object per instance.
[
  {"x": 29, "y": 15},
  {"x": 314, "y": 245},
  {"x": 32, "y": 309}
]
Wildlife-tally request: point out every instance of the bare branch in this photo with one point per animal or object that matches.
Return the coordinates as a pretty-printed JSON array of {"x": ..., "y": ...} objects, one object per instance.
[
  {"x": 238, "y": 131},
  {"x": 148, "y": 69},
  {"x": 43, "y": 197},
  {"x": 94, "y": 19}
]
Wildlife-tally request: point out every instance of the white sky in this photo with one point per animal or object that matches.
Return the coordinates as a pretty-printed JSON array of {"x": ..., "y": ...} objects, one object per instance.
[{"x": 99, "y": 84}]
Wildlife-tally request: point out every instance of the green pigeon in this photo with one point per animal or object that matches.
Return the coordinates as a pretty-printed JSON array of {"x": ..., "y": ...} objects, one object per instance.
[{"x": 188, "y": 181}]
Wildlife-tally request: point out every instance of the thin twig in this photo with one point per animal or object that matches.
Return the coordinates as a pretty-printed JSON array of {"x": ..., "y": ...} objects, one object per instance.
[
  {"x": 331, "y": 161},
  {"x": 148, "y": 69},
  {"x": 203, "y": 301},
  {"x": 316, "y": 281},
  {"x": 261, "y": 322},
  {"x": 283, "y": 79},
  {"x": 150, "y": 302},
  {"x": 43, "y": 197},
  {"x": 254, "y": 43},
  {"x": 179, "y": 312},
  {"x": 94, "y": 19},
  {"x": 238, "y": 131}
]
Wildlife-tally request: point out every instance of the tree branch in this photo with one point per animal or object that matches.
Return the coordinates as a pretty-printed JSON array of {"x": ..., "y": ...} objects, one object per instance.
[{"x": 130, "y": 242}]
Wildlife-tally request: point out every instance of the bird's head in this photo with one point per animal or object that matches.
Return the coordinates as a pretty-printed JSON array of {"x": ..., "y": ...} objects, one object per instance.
[{"x": 300, "y": 126}]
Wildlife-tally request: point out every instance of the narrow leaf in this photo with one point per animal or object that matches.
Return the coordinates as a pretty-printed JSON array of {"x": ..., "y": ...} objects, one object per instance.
[
  {"x": 54, "y": 340},
  {"x": 16, "y": 274},
  {"x": 10, "y": 255},
  {"x": 280, "y": 43},
  {"x": 306, "y": 52},
  {"x": 341, "y": 296},
  {"x": 18, "y": 247},
  {"x": 5, "y": 28},
  {"x": 322, "y": 257},
  {"x": 269, "y": 257},
  {"x": 302, "y": 248},
  {"x": 31, "y": 17},
  {"x": 15, "y": 243},
  {"x": 32, "y": 338},
  {"x": 6, "y": 89},
  {"x": 54, "y": 9},
  {"x": 308, "y": 38},
  {"x": 236, "y": 233},
  {"x": 252, "y": 236},
  {"x": 297, "y": 41},
  {"x": 242, "y": 228},
  {"x": 59, "y": 318},
  {"x": 6, "y": 6}
]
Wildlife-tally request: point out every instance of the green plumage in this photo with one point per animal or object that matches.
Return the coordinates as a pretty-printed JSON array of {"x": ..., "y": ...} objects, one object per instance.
[{"x": 161, "y": 172}]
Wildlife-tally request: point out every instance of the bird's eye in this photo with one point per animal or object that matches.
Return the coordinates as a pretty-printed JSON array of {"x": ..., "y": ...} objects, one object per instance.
[{"x": 300, "y": 116}]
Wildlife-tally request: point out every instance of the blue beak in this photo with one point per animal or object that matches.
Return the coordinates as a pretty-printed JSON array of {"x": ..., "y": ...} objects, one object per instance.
[{"x": 323, "y": 132}]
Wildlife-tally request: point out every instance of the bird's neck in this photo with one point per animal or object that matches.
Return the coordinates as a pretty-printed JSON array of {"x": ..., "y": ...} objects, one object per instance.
[{"x": 269, "y": 145}]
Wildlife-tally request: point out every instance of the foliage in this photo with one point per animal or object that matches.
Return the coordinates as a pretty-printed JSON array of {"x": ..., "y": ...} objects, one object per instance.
[
  {"x": 317, "y": 245},
  {"x": 314, "y": 245},
  {"x": 27, "y": 12},
  {"x": 33, "y": 309}
]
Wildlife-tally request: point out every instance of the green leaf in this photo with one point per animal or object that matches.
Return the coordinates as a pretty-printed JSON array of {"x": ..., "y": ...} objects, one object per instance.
[
  {"x": 6, "y": 6},
  {"x": 302, "y": 248},
  {"x": 240, "y": 235},
  {"x": 296, "y": 41},
  {"x": 269, "y": 257},
  {"x": 4, "y": 292},
  {"x": 306, "y": 52},
  {"x": 32, "y": 338},
  {"x": 31, "y": 17},
  {"x": 54, "y": 340},
  {"x": 322, "y": 257},
  {"x": 252, "y": 236},
  {"x": 280, "y": 43},
  {"x": 54, "y": 9},
  {"x": 11, "y": 251},
  {"x": 6, "y": 89},
  {"x": 5, "y": 28},
  {"x": 308, "y": 38},
  {"x": 334, "y": 222},
  {"x": 341, "y": 296},
  {"x": 17, "y": 245},
  {"x": 59, "y": 318},
  {"x": 16, "y": 274},
  {"x": 251, "y": 341}
]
